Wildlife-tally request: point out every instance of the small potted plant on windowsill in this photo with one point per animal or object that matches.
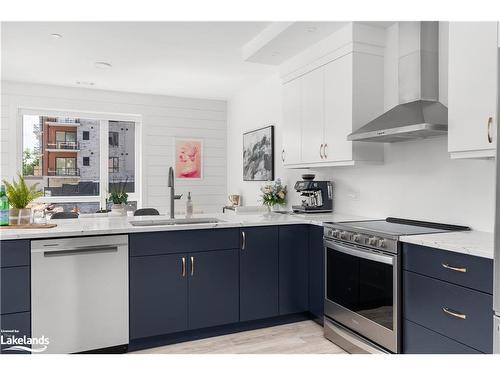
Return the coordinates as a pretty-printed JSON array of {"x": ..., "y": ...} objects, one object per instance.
[
  {"x": 20, "y": 195},
  {"x": 119, "y": 197}
]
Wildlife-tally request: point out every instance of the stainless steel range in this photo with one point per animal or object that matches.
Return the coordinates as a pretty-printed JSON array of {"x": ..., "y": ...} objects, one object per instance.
[{"x": 362, "y": 281}]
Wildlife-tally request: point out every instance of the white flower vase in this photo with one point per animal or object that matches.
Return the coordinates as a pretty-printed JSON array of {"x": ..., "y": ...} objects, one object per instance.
[
  {"x": 118, "y": 210},
  {"x": 279, "y": 207}
]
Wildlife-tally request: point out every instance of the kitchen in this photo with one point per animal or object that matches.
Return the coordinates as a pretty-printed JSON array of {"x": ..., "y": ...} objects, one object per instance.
[{"x": 331, "y": 190}]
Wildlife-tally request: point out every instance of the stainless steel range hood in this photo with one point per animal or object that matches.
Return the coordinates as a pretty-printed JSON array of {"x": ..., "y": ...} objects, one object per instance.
[{"x": 419, "y": 114}]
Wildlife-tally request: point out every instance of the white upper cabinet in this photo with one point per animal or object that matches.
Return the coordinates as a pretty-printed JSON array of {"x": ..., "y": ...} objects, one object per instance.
[
  {"x": 340, "y": 81},
  {"x": 472, "y": 89},
  {"x": 312, "y": 116},
  {"x": 292, "y": 118}
]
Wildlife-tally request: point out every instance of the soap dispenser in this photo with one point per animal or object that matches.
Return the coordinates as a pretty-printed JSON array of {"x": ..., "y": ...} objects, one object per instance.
[{"x": 189, "y": 206}]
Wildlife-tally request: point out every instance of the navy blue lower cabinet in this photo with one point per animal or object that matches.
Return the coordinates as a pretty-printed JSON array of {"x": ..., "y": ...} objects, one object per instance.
[
  {"x": 18, "y": 325},
  {"x": 420, "y": 340},
  {"x": 293, "y": 269},
  {"x": 213, "y": 288},
  {"x": 15, "y": 289},
  {"x": 461, "y": 314},
  {"x": 158, "y": 295},
  {"x": 259, "y": 272},
  {"x": 316, "y": 271}
]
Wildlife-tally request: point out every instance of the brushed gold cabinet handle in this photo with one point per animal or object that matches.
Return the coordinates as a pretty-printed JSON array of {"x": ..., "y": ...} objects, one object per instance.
[
  {"x": 243, "y": 240},
  {"x": 192, "y": 266},
  {"x": 454, "y": 313},
  {"x": 321, "y": 151},
  {"x": 325, "y": 149},
  {"x": 490, "y": 122},
  {"x": 183, "y": 266},
  {"x": 458, "y": 269}
]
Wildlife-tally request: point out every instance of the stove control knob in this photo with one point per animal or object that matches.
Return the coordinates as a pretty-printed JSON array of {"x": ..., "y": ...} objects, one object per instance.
[
  {"x": 344, "y": 235},
  {"x": 381, "y": 243},
  {"x": 372, "y": 241},
  {"x": 356, "y": 238},
  {"x": 335, "y": 233}
]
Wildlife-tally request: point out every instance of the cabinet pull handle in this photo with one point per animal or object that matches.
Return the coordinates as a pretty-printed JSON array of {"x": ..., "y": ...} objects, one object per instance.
[
  {"x": 454, "y": 313},
  {"x": 283, "y": 155},
  {"x": 325, "y": 148},
  {"x": 243, "y": 240},
  {"x": 490, "y": 122},
  {"x": 321, "y": 151},
  {"x": 192, "y": 266},
  {"x": 458, "y": 269},
  {"x": 183, "y": 266}
]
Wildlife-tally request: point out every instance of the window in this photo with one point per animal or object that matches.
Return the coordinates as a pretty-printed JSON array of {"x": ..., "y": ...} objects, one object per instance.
[
  {"x": 52, "y": 157},
  {"x": 113, "y": 165},
  {"x": 113, "y": 139}
]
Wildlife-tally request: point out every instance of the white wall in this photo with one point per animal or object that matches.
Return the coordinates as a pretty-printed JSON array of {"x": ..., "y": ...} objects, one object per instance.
[
  {"x": 163, "y": 118},
  {"x": 417, "y": 180}
]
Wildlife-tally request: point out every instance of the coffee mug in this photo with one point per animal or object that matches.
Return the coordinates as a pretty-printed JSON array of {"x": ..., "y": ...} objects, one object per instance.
[{"x": 234, "y": 199}]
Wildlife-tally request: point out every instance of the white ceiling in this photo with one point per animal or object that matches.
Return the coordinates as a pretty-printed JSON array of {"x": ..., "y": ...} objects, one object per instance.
[{"x": 194, "y": 59}]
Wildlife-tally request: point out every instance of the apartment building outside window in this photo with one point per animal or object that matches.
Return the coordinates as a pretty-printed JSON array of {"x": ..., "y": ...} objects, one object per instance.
[{"x": 55, "y": 157}]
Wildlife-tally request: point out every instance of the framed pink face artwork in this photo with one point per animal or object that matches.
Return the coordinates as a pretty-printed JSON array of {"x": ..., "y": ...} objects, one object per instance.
[{"x": 189, "y": 158}]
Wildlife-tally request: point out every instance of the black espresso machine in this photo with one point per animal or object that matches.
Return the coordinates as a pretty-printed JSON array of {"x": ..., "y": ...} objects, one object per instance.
[{"x": 316, "y": 196}]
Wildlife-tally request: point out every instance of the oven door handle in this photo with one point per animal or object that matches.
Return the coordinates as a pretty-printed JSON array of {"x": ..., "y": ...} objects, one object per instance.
[{"x": 381, "y": 258}]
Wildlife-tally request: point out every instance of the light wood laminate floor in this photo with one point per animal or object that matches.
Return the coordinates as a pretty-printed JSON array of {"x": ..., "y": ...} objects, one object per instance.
[{"x": 304, "y": 337}]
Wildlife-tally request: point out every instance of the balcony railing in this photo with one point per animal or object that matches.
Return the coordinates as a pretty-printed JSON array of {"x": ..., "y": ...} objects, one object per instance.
[
  {"x": 64, "y": 172},
  {"x": 63, "y": 145}
]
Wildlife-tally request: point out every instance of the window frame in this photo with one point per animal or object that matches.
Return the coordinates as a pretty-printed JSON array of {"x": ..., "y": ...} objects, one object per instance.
[
  {"x": 104, "y": 118},
  {"x": 114, "y": 168}
]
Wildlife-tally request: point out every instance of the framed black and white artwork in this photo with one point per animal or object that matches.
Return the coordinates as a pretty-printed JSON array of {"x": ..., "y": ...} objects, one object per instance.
[{"x": 258, "y": 154}]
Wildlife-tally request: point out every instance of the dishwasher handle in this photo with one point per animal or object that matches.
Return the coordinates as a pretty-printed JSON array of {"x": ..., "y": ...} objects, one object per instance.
[{"x": 81, "y": 250}]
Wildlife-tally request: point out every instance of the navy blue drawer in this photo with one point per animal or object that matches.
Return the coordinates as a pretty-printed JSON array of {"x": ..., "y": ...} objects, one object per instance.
[
  {"x": 183, "y": 241},
  {"x": 420, "y": 340},
  {"x": 434, "y": 262},
  {"x": 20, "y": 325},
  {"x": 424, "y": 301},
  {"x": 15, "y": 289},
  {"x": 15, "y": 253}
]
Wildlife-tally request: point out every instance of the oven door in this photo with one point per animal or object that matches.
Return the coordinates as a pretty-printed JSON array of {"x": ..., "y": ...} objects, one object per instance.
[{"x": 361, "y": 292}]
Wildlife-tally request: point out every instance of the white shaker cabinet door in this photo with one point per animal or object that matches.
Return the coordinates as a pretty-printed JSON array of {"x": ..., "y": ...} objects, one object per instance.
[
  {"x": 472, "y": 88},
  {"x": 312, "y": 116},
  {"x": 291, "y": 122},
  {"x": 338, "y": 109}
]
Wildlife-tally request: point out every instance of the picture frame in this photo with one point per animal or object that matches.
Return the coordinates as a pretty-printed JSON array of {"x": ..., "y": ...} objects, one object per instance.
[
  {"x": 258, "y": 154},
  {"x": 188, "y": 158}
]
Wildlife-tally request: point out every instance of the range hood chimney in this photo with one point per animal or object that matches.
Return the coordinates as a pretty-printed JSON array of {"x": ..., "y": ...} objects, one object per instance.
[{"x": 419, "y": 114}]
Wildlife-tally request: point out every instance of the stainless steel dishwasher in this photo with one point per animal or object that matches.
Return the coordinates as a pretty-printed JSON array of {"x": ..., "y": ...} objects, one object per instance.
[{"x": 79, "y": 293}]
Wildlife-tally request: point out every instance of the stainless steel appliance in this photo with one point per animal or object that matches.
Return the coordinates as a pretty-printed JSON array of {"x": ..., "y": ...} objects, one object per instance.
[
  {"x": 362, "y": 282},
  {"x": 496, "y": 287},
  {"x": 317, "y": 196},
  {"x": 79, "y": 293}
]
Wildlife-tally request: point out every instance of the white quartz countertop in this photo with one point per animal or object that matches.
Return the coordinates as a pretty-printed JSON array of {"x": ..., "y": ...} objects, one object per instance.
[
  {"x": 470, "y": 242},
  {"x": 89, "y": 226}
]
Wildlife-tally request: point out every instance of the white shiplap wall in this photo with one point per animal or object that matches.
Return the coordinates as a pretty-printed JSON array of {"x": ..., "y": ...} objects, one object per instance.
[{"x": 163, "y": 118}]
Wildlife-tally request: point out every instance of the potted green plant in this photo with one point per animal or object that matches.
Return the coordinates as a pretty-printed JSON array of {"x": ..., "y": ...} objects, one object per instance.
[
  {"x": 20, "y": 195},
  {"x": 118, "y": 196}
]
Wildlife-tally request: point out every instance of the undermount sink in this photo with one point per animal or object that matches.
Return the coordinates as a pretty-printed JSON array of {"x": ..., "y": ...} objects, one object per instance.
[{"x": 149, "y": 222}]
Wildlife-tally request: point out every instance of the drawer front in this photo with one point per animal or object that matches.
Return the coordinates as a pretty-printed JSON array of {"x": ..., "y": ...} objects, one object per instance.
[
  {"x": 15, "y": 253},
  {"x": 15, "y": 289},
  {"x": 424, "y": 301},
  {"x": 183, "y": 241},
  {"x": 420, "y": 340},
  {"x": 20, "y": 322},
  {"x": 461, "y": 269}
]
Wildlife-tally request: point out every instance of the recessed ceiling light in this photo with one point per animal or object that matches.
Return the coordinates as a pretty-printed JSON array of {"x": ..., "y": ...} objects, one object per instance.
[
  {"x": 56, "y": 36},
  {"x": 85, "y": 83},
  {"x": 102, "y": 65},
  {"x": 311, "y": 29}
]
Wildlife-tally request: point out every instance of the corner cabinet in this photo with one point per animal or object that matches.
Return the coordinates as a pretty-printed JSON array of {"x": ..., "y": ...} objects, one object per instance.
[
  {"x": 472, "y": 89},
  {"x": 327, "y": 99}
]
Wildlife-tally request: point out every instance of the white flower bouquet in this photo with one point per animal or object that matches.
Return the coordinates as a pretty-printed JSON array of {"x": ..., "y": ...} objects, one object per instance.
[{"x": 273, "y": 193}]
